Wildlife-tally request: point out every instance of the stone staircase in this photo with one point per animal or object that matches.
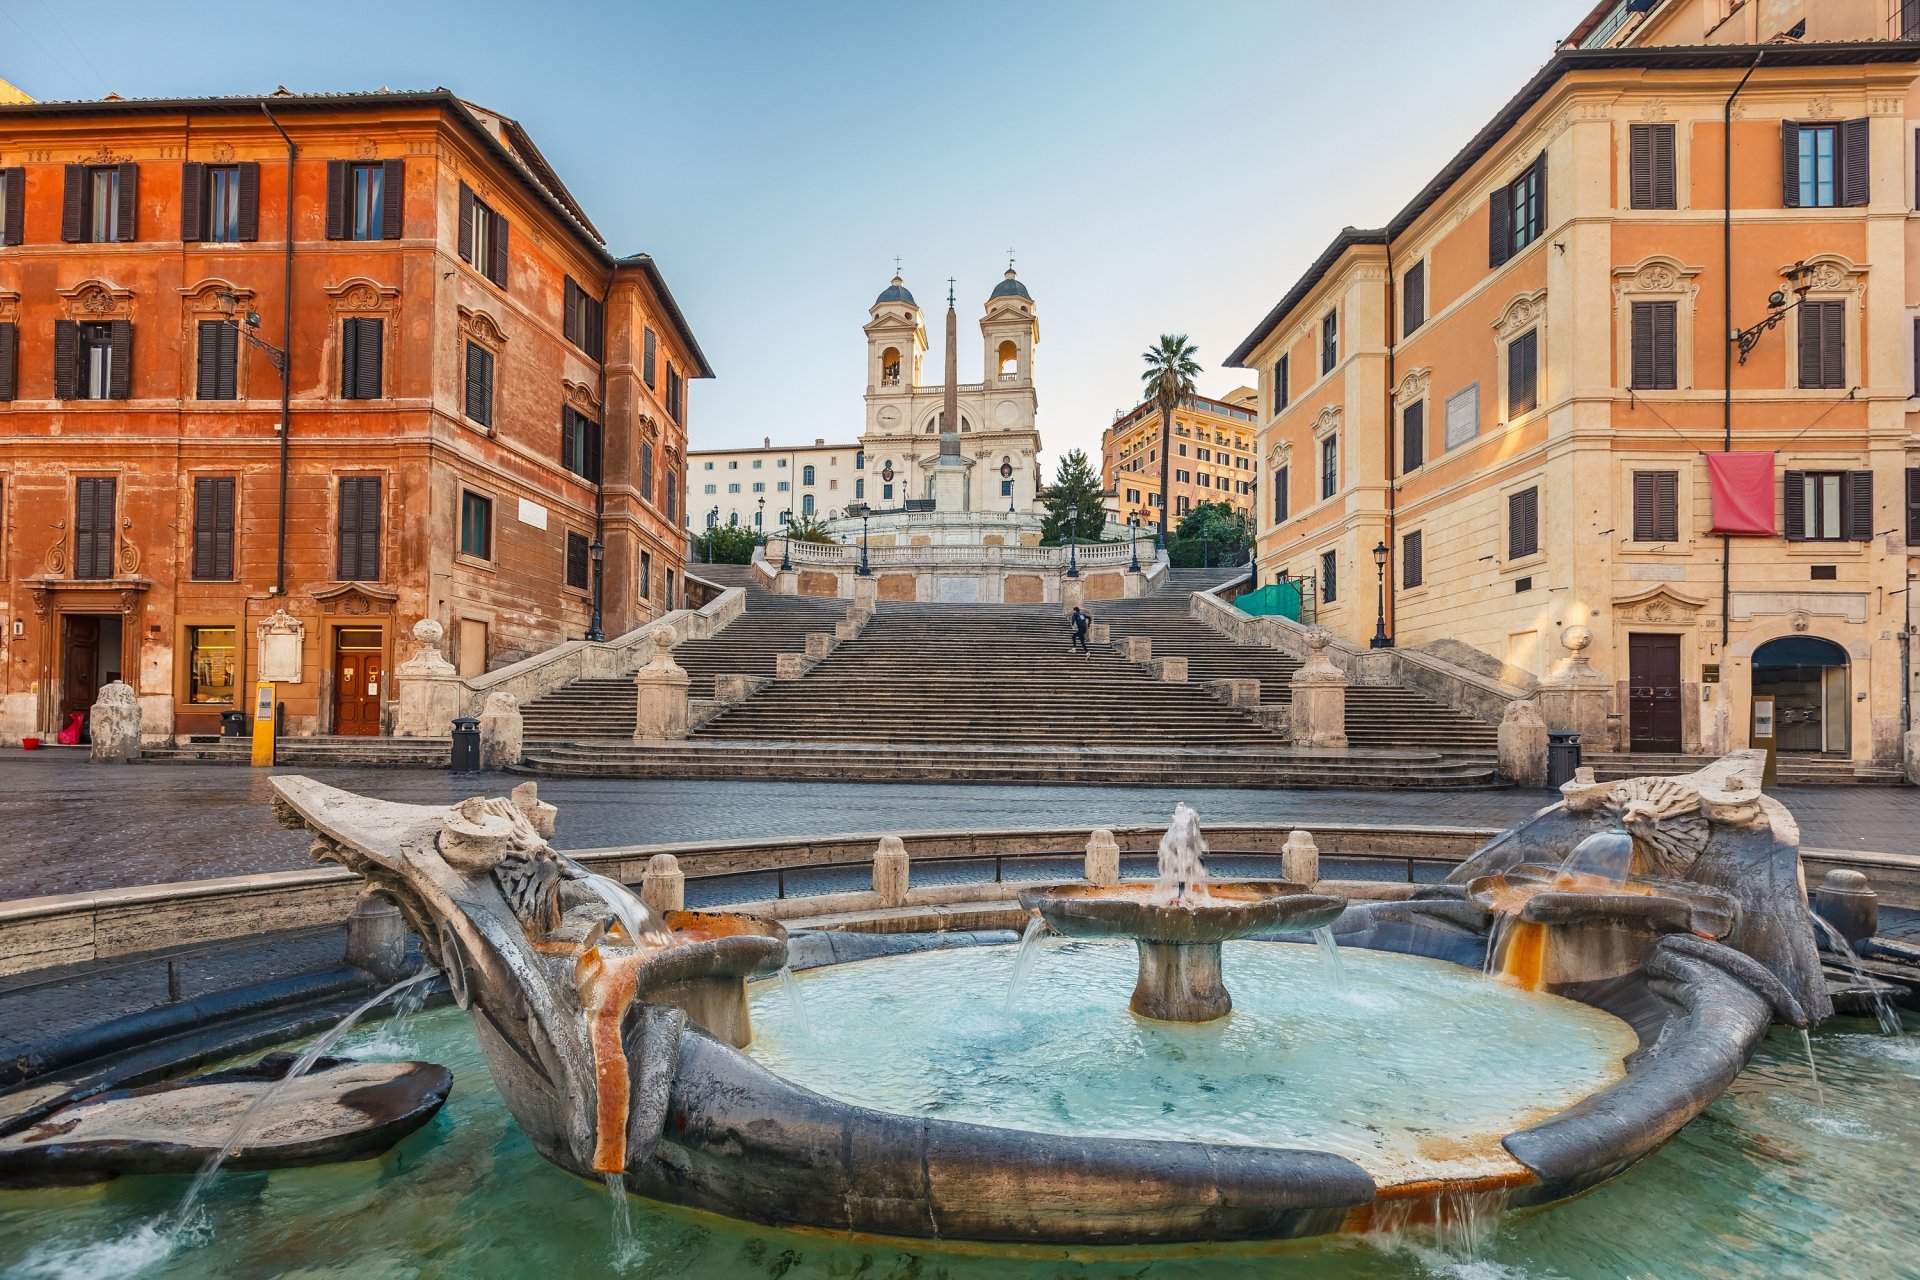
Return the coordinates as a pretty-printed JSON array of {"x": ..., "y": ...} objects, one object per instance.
[
  {"x": 323, "y": 750},
  {"x": 1821, "y": 771}
]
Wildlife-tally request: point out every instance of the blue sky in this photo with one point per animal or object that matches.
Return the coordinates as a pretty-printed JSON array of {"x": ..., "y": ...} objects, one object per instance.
[{"x": 1165, "y": 167}]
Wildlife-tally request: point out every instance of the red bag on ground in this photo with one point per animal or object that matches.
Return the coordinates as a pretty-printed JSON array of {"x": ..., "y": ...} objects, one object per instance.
[{"x": 70, "y": 736}]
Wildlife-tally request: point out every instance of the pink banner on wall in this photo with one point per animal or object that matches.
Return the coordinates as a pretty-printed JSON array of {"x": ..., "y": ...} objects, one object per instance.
[{"x": 1742, "y": 493}]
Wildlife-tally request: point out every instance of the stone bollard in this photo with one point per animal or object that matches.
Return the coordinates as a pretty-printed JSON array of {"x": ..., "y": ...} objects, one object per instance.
[
  {"x": 1137, "y": 648},
  {"x": 890, "y": 871},
  {"x": 1319, "y": 716},
  {"x": 660, "y": 704},
  {"x": 1910, "y": 756},
  {"x": 114, "y": 724},
  {"x": 1522, "y": 743},
  {"x": 377, "y": 937},
  {"x": 791, "y": 666},
  {"x": 1100, "y": 633},
  {"x": 1103, "y": 858},
  {"x": 1236, "y": 691},
  {"x": 1300, "y": 859},
  {"x": 1847, "y": 901},
  {"x": 1073, "y": 591},
  {"x": 663, "y": 886},
  {"x": 1170, "y": 670},
  {"x": 729, "y": 689},
  {"x": 502, "y": 731},
  {"x": 846, "y": 631},
  {"x": 428, "y": 691},
  {"x": 866, "y": 591},
  {"x": 819, "y": 644},
  {"x": 543, "y": 816}
]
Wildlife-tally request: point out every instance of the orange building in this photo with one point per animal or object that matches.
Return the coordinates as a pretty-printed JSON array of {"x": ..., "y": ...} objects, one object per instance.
[
  {"x": 485, "y": 410},
  {"x": 1213, "y": 458}
]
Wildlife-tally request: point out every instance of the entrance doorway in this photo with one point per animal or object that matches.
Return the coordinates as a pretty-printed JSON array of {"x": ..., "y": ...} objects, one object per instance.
[
  {"x": 1807, "y": 679},
  {"x": 1653, "y": 692},
  {"x": 89, "y": 658},
  {"x": 357, "y": 672}
]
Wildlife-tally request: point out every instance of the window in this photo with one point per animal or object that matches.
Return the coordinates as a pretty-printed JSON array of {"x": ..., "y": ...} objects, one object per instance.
[
  {"x": 1413, "y": 436},
  {"x": 578, "y": 557},
  {"x": 733, "y": 464},
  {"x": 646, "y": 470},
  {"x": 219, "y": 203},
  {"x": 1829, "y": 506},
  {"x": 476, "y": 525},
  {"x": 646, "y": 575},
  {"x": 1463, "y": 416},
  {"x": 583, "y": 319},
  {"x": 806, "y": 475},
  {"x": 1329, "y": 466},
  {"x": 1656, "y": 506},
  {"x": 706, "y": 466},
  {"x": 580, "y": 445},
  {"x": 93, "y": 526},
  {"x": 806, "y": 504},
  {"x": 361, "y": 353},
  {"x": 1329, "y": 342},
  {"x": 100, "y": 203},
  {"x": 1823, "y": 344},
  {"x": 359, "y": 558},
  {"x": 1329, "y": 577},
  {"x": 1913, "y": 506},
  {"x": 483, "y": 237},
  {"x": 213, "y": 528},
  {"x": 1182, "y": 505},
  {"x": 833, "y": 484},
  {"x": 759, "y": 486},
  {"x": 759, "y": 464},
  {"x": 1517, "y": 212},
  {"x": 1413, "y": 295},
  {"x": 673, "y": 497},
  {"x": 647, "y": 347},
  {"x": 1280, "y": 495},
  {"x": 1182, "y": 477},
  {"x": 1006, "y": 488},
  {"x": 92, "y": 361},
  {"x": 1413, "y": 569},
  {"x": 1280, "y": 390},
  {"x": 1650, "y": 167},
  {"x": 886, "y": 493},
  {"x": 782, "y": 485},
  {"x": 13, "y": 204},
  {"x": 1183, "y": 450},
  {"x": 1824, "y": 165},
  {"x": 1523, "y": 524},
  {"x": 9, "y": 359},
  {"x": 479, "y": 406},
  {"x": 1523, "y": 374},
  {"x": 217, "y": 360},
  {"x": 712, "y": 488},
  {"x": 210, "y": 664},
  {"x": 365, "y": 201},
  {"x": 733, "y": 488},
  {"x": 859, "y": 459},
  {"x": 1655, "y": 358},
  {"x": 676, "y": 395},
  {"x": 780, "y": 464}
]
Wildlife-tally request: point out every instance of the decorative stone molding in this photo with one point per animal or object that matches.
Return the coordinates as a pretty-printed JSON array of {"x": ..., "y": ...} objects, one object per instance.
[
  {"x": 1280, "y": 455},
  {"x": 354, "y": 598},
  {"x": 1654, "y": 110},
  {"x": 427, "y": 658},
  {"x": 129, "y": 552},
  {"x": 203, "y": 299},
  {"x": 359, "y": 294},
  {"x": 282, "y": 639},
  {"x": 1822, "y": 107},
  {"x": 1832, "y": 273},
  {"x": 1414, "y": 385},
  {"x": 581, "y": 397},
  {"x": 1327, "y": 421},
  {"x": 1522, "y": 745},
  {"x": 1658, "y": 604},
  {"x": 482, "y": 328},
  {"x": 1521, "y": 314},
  {"x": 97, "y": 300},
  {"x": 1656, "y": 274},
  {"x": 9, "y": 306},
  {"x": 55, "y": 561}
]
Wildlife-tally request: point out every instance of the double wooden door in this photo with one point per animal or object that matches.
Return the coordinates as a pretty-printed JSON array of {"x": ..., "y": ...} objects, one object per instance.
[
  {"x": 358, "y": 670},
  {"x": 1653, "y": 692}
]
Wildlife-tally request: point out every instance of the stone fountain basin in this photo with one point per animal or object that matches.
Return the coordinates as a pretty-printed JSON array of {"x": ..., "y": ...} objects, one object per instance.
[
  {"x": 1545, "y": 895},
  {"x": 1232, "y": 909}
]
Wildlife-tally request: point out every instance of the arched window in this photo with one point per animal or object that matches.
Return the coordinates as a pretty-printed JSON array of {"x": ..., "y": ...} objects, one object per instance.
[
  {"x": 806, "y": 475},
  {"x": 1009, "y": 361},
  {"x": 859, "y": 459},
  {"x": 806, "y": 504},
  {"x": 713, "y": 517},
  {"x": 859, "y": 490},
  {"x": 733, "y": 519},
  {"x": 890, "y": 367},
  {"x": 964, "y": 424}
]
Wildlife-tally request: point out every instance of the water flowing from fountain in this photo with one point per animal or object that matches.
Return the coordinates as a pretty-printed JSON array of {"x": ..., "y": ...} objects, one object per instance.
[
  {"x": 1183, "y": 868},
  {"x": 1605, "y": 854},
  {"x": 635, "y": 916},
  {"x": 183, "y": 1218},
  {"x": 1031, "y": 941},
  {"x": 1495, "y": 932},
  {"x": 1813, "y": 1072},
  {"x": 394, "y": 1038},
  {"x": 1330, "y": 958},
  {"x": 1883, "y": 1011},
  {"x": 628, "y": 1252},
  {"x": 796, "y": 1003}
]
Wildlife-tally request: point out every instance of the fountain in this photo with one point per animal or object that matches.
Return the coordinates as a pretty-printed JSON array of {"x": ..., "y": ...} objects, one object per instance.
[{"x": 1178, "y": 923}]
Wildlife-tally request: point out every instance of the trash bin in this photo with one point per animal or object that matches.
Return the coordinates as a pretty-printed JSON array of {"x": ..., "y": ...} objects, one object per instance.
[
  {"x": 1563, "y": 756},
  {"x": 466, "y": 744},
  {"x": 233, "y": 724}
]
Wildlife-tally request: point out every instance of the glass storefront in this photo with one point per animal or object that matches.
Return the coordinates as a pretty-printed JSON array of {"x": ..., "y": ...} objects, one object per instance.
[{"x": 210, "y": 664}]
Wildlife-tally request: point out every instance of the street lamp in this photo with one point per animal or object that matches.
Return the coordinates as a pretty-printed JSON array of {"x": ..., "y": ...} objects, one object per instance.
[
  {"x": 1800, "y": 280},
  {"x": 1133, "y": 541},
  {"x": 598, "y": 551},
  {"x": 786, "y": 541},
  {"x": 760, "y": 519},
  {"x": 1073, "y": 544},
  {"x": 864, "y": 569},
  {"x": 1381, "y": 640}
]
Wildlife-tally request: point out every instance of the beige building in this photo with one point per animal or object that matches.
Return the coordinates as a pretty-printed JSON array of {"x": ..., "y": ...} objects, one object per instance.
[
  {"x": 1519, "y": 389},
  {"x": 762, "y": 488},
  {"x": 1212, "y": 457}
]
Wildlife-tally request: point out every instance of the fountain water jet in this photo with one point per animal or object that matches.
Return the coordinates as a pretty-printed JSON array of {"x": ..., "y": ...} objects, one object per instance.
[{"x": 1032, "y": 938}]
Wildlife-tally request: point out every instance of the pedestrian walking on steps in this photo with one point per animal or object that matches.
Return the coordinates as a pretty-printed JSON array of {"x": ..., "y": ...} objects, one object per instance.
[{"x": 1081, "y": 622}]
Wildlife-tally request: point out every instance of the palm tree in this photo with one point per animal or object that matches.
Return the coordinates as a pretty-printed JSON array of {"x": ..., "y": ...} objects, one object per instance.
[{"x": 1169, "y": 377}]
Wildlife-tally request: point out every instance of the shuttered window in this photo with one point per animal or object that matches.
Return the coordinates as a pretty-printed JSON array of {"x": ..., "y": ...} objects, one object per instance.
[
  {"x": 676, "y": 395},
  {"x": 1413, "y": 569},
  {"x": 1413, "y": 295},
  {"x": 1656, "y": 363},
  {"x": 1280, "y": 496},
  {"x": 1413, "y": 436},
  {"x": 476, "y": 525},
  {"x": 1329, "y": 466},
  {"x": 1650, "y": 167},
  {"x": 646, "y": 472},
  {"x": 646, "y": 574},
  {"x": 1280, "y": 389},
  {"x": 362, "y": 350},
  {"x": 93, "y": 503},
  {"x": 673, "y": 498},
  {"x": 219, "y": 203},
  {"x": 647, "y": 348},
  {"x": 577, "y": 560},
  {"x": 1523, "y": 374},
  {"x": 1913, "y": 506},
  {"x": 213, "y": 528},
  {"x": 1523, "y": 523},
  {"x": 580, "y": 445},
  {"x": 13, "y": 205},
  {"x": 1656, "y": 506},
  {"x": 1828, "y": 506},
  {"x": 92, "y": 361},
  {"x": 359, "y": 559},
  {"x": 218, "y": 360},
  {"x": 1824, "y": 165},
  {"x": 483, "y": 237},
  {"x": 1329, "y": 341},
  {"x": 583, "y": 319},
  {"x": 1516, "y": 213},
  {"x": 1329, "y": 576},
  {"x": 479, "y": 407},
  {"x": 100, "y": 203},
  {"x": 1823, "y": 344},
  {"x": 9, "y": 360},
  {"x": 367, "y": 201}
]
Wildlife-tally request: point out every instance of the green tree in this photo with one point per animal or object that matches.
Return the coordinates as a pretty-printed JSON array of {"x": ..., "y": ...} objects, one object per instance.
[
  {"x": 1212, "y": 533},
  {"x": 1171, "y": 369},
  {"x": 725, "y": 544},
  {"x": 805, "y": 528},
  {"x": 1076, "y": 486}
]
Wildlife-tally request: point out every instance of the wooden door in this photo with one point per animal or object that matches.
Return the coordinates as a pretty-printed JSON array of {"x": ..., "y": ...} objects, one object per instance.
[
  {"x": 1653, "y": 692},
  {"x": 79, "y": 665},
  {"x": 356, "y": 691}
]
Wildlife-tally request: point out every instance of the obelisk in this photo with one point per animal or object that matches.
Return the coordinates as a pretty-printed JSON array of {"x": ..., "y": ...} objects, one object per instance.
[{"x": 950, "y": 469}]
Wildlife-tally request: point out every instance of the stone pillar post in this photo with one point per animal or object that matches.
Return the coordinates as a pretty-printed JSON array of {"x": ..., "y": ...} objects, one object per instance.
[
  {"x": 1103, "y": 858},
  {"x": 660, "y": 707},
  {"x": 114, "y": 724},
  {"x": 866, "y": 592},
  {"x": 1911, "y": 757},
  {"x": 377, "y": 937},
  {"x": 1319, "y": 717},
  {"x": 502, "y": 731},
  {"x": 1300, "y": 859},
  {"x": 1073, "y": 591},
  {"x": 1523, "y": 745},
  {"x": 1171, "y": 670},
  {"x": 1137, "y": 648},
  {"x": 890, "y": 871},
  {"x": 663, "y": 887},
  {"x": 1577, "y": 697},
  {"x": 819, "y": 644},
  {"x": 429, "y": 692}
]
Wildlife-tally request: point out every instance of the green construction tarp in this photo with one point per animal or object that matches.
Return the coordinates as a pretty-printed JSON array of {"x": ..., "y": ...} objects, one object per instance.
[{"x": 1276, "y": 599}]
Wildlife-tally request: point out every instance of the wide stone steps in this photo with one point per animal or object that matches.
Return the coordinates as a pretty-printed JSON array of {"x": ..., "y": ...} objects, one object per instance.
[{"x": 1612, "y": 766}]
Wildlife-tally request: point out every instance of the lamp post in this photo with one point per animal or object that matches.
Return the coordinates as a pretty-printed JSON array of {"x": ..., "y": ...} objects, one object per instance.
[
  {"x": 1073, "y": 541},
  {"x": 1800, "y": 280},
  {"x": 1133, "y": 541},
  {"x": 1381, "y": 640},
  {"x": 786, "y": 541},
  {"x": 760, "y": 520},
  {"x": 864, "y": 569},
  {"x": 598, "y": 551}
]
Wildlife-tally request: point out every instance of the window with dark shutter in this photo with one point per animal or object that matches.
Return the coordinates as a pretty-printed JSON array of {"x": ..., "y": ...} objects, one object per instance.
[
  {"x": 9, "y": 360},
  {"x": 1855, "y": 176},
  {"x": 1823, "y": 165},
  {"x": 1413, "y": 436},
  {"x": 1329, "y": 341},
  {"x": 646, "y": 471},
  {"x": 218, "y": 360},
  {"x": 673, "y": 498},
  {"x": 1329, "y": 577},
  {"x": 1412, "y": 557},
  {"x": 1856, "y": 506},
  {"x": 647, "y": 359},
  {"x": 469, "y": 207},
  {"x": 1656, "y": 365},
  {"x": 1793, "y": 501},
  {"x": 580, "y": 445},
  {"x": 1329, "y": 466},
  {"x": 1523, "y": 523},
  {"x": 479, "y": 406},
  {"x": 120, "y": 372},
  {"x": 1413, "y": 293},
  {"x": 193, "y": 192},
  {"x": 1913, "y": 506},
  {"x": 1651, "y": 167},
  {"x": 359, "y": 559},
  {"x": 66, "y": 360},
  {"x": 1523, "y": 374},
  {"x": 249, "y": 219},
  {"x": 1280, "y": 389},
  {"x": 676, "y": 395},
  {"x": 126, "y": 190},
  {"x": 339, "y": 202},
  {"x": 93, "y": 527},
  {"x": 577, "y": 560},
  {"x": 393, "y": 199},
  {"x": 362, "y": 354},
  {"x": 1823, "y": 344},
  {"x": 1656, "y": 506},
  {"x": 570, "y": 312},
  {"x": 13, "y": 205},
  {"x": 213, "y": 528},
  {"x": 1280, "y": 498},
  {"x": 1517, "y": 213}
]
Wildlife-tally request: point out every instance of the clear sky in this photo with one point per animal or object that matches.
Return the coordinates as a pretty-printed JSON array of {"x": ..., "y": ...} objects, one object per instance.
[{"x": 1168, "y": 167}]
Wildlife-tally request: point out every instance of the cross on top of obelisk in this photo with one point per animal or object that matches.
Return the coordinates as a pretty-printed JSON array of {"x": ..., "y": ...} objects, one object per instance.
[{"x": 949, "y": 291}]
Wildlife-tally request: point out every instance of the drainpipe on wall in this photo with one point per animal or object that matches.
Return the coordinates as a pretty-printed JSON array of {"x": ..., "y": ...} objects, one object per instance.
[
  {"x": 595, "y": 630},
  {"x": 1727, "y": 333},
  {"x": 1389, "y": 581},
  {"x": 286, "y": 366}
]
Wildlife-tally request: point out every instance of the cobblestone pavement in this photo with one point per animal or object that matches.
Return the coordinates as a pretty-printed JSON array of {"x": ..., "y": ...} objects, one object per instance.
[{"x": 72, "y": 826}]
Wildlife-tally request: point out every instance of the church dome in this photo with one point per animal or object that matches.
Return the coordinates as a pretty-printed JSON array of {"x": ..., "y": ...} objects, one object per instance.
[
  {"x": 1010, "y": 287},
  {"x": 895, "y": 291}
]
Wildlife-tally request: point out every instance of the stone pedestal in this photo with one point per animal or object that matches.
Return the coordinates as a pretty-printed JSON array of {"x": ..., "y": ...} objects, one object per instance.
[
  {"x": 1319, "y": 716},
  {"x": 114, "y": 724},
  {"x": 819, "y": 644},
  {"x": 1236, "y": 691},
  {"x": 1170, "y": 670},
  {"x": 866, "y": 592},
  {"x": 663, "y": 886},
  {"x": 1103, "y": 858},
  {"x": 1300, "y": 859},
  {"x": 502, "y": 732},
  {"x": 377, "y": 937},
  {"x": 1100, "y": 633},
  {"x": 1523, "y": 745},
  {"x": 1180, "y": 982},
  {"x": 660, "y": 707},
  {"x": 890, "y": 871},
  {"x": 1575, "y": 696},
  {"x": 1137, "y": 648},
  {"x": 950, "y": 486},
  {"x": 791, "y": 666},
  {"x": 729, "y": 689},
  {"x": 1073, "y": 591},
  {"x": 428, "y": 691}
]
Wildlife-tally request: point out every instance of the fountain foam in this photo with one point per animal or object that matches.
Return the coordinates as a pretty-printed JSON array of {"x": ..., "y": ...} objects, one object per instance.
[{"x": 1183, "y": 867}]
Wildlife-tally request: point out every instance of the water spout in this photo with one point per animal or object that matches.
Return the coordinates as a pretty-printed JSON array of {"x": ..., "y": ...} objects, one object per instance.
[
  {"x": 1031, "y": 941},
  {"x": 1330, "y": 958},
  {"x": 1813, "y": 1072},
  {"x": 627, "y": 1250},
  {"x": 1606, "y": 854},
  {"x": 1883, "y": 1011},
  {"x": 796, "y": 1003},
  {"x": 1183, "y": 868},
  {"x": 635, "y": 916}
]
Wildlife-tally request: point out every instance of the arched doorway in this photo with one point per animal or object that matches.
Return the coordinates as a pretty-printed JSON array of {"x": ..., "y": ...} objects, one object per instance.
[{"x": 1808, "y": 681}]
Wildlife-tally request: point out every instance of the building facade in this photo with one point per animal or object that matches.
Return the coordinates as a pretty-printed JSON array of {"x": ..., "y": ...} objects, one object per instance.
[
  {"x": 484, "y": 410},
  {"x": 1213, "y": 457},
  {"x": 763, "y": 488},
  {"x": 1517, "y": 394}
]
